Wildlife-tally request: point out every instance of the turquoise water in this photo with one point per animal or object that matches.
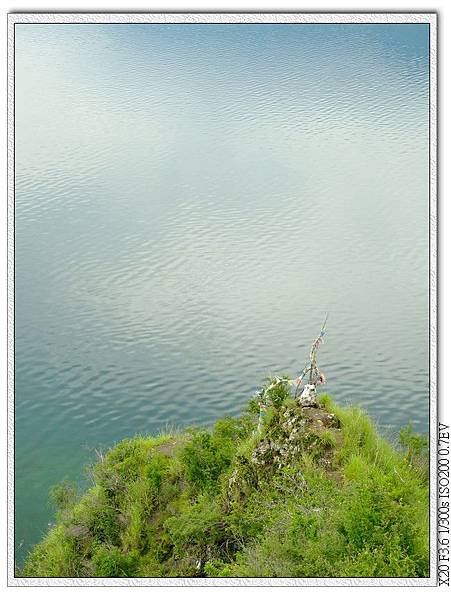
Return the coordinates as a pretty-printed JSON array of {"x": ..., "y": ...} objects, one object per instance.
[{"x": 190, "y": 201}]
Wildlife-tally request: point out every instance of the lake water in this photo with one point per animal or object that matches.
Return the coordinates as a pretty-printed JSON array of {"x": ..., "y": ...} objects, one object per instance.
[{"x": 190, "y": 201}]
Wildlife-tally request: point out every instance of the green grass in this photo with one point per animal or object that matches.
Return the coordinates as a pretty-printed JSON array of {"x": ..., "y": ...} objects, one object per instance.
[{"x": 311, "y": 496}]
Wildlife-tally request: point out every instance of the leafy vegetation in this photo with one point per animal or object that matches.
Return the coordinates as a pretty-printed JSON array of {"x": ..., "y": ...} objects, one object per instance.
[{"x": 318, "y": 493}]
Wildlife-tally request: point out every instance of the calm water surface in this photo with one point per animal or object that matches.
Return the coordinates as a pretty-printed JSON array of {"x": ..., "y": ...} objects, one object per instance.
[{"x": 190, "y": 200}]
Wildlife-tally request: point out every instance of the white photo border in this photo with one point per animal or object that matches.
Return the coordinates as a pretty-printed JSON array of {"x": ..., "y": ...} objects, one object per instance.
[{"x": 233, "y": 18}]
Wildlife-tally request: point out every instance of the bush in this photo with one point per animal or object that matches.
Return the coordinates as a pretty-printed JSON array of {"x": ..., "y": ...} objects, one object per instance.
[
  {"x": 63, "y": 495},
  {"x": 279, "y": 394},
  {"x": 111, "y": 562},
  {"x": 204, "y": 459},
  {"x": 415, "y": 444}
]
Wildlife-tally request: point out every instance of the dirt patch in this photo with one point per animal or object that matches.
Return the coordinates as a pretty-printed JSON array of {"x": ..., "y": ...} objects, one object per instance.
[
  {"x": 320, "y": 418},
  {"x": 168, "y": 448}
]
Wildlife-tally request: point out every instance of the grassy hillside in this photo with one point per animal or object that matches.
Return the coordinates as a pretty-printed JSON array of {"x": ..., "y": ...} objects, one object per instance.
[{"x": 318, "y": 493}]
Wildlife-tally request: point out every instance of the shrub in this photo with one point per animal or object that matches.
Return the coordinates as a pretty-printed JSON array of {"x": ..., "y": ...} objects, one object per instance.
[
  {"x": 415, "y": 444},
  {"x": 204, "y": 459},
  {"x": 111, "y": 562},
  {"x": 63, "y": 495},
  {"x": 279, "y": 394}
]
